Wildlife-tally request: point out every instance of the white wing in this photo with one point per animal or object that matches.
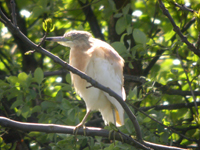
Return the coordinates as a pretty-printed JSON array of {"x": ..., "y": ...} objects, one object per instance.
[{"x": 106, "y": 67}]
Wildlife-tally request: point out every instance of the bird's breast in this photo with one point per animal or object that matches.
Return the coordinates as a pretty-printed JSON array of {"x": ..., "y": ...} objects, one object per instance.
[{"x": 80, "y": 60}]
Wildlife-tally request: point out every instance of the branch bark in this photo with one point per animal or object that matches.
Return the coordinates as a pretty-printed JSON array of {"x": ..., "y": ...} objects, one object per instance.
[
  {"x": 177, "y": 29},
  {"x": 55, "y": 128},
  {"x": 90, "y": 131},
  {"x": 92, "y": 20}
]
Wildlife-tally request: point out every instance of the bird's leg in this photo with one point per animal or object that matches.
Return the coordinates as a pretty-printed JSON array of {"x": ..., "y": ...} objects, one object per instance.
[
  {"x": 114, "y": 128},
  {"x": 114, "y": 117},
  {"x": 82, "y": 123},
  {"x": 111, "y": 125}
]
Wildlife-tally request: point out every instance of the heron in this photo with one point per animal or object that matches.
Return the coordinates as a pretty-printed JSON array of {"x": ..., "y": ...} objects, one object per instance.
[{"x": 100, "y": 61}]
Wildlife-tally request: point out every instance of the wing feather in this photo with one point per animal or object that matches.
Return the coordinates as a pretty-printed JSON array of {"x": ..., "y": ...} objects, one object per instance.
[{"x": 108, "y": 65}]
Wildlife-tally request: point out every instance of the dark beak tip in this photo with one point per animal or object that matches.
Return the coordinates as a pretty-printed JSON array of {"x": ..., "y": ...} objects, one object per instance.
[
  {"x": 47, "y": 39},
  {"x": 55, "y": 39}
]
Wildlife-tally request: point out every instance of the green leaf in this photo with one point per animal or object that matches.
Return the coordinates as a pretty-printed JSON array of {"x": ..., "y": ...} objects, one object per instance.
[
  {"x": 17, "y": 103},
  {"x": 129, "y": 30},
  {"x": 112, "y": 5},
  {"x": 71, "y": 114},
  {"x": 25, "y": 111},
  {"x": 128, "y": 19},
  {"x": 68, "y": 78},
  {"x": 46, "y": 104},
  {"x": 139, "y": 36},
  {"x": 3, "y": 84},
  {"x": 132, "y": 94},
  {"x": 22, "y": 78},
  {"x": 118, "y": 15},
  {"x": 126, "y": 9},
  {"x": 12, "y": 79},
  {"x": 37, "y": 11},
  {"x": 33, "y": 94},
  {"x": 29, "y": 80},
  {"x": 130, "y": 65},
  {"x": 146, "y": 119},
  {"x": 119, "y": 47},
  {"x": 59, "y": 96},
  {"x": 121, "y": 25},
  {"x": 36, "y": 109},
  {"x": 138, "y": 48},
  {"x": 38, "y": 75}
]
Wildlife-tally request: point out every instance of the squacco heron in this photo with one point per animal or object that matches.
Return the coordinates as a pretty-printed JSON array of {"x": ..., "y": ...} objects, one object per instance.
[{"x": 101, "y": 62}]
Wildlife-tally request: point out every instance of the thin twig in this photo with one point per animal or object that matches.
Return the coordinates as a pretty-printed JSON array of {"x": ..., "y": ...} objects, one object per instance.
[
  {"x": 162, "y": 124},
  {"x": 169, "y": 107},
  {"x": 198, "y": 41},
  {"x": 43, "y": 39},
  {"x": 177, "y": 29},
  {"x": 1, "y": 20},
  {"x": 183, "y": 7},
  {"x": 189, "y": 83}
]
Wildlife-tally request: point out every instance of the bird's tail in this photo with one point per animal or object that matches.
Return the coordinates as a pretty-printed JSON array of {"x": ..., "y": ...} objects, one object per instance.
[
  {"x": 108, "y": 116},
  {"x": 119, "y": 120}
]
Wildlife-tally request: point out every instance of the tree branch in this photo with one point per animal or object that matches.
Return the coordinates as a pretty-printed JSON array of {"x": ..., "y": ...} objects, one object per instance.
[
  {"x": 177, "y": 29},
  {"x": 170, "y": 107},
  {"x": 170, "y": 128},
  {"x": 183, "y": 7},
  {"x": 92, "y": 20},
  {"x": 153, "y": 61},
  {"x": 12, "y": 3},
  {"x": 189, "y": 83},
  {"x": 90, "y": 131},
  {"x": 55, "y": 128}
]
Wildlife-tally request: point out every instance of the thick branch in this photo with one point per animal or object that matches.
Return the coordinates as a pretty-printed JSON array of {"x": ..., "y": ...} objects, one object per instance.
[
  {"x": 90, "y": 131},
  {"x": 92, "y": 20},
  {"x": 12, "y": 3},
  {"x": 55, "y": 128}
]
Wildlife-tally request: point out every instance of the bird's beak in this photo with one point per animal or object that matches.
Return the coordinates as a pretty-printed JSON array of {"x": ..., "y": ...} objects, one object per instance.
[{"x": 56, "y": 39}]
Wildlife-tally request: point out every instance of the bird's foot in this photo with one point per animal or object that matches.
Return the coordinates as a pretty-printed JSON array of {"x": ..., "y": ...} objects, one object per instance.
[
  {"x": 114, "y": 130},
  {"x": 78, "y": 127}
]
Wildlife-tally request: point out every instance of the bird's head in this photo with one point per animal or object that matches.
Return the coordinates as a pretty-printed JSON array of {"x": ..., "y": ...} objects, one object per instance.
[{"x": 73, "y": 39}]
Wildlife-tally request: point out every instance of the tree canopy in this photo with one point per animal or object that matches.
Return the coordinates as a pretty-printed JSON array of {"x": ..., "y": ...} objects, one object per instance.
[{"x": 160, "y": 43}]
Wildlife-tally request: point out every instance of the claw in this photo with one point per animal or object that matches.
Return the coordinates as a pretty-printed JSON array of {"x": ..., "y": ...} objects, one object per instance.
[
  {"x": 115, "y": 130},
  {"x": 81, "y": 124},
  {"x": 77, "y": 128}
]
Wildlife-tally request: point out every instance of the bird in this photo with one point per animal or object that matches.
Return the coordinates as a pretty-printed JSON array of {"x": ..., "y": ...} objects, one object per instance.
[{"x": 100, "y": 61}]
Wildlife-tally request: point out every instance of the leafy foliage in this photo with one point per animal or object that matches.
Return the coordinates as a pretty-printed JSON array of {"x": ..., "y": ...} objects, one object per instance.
[{"x": 33, "y": 90}]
